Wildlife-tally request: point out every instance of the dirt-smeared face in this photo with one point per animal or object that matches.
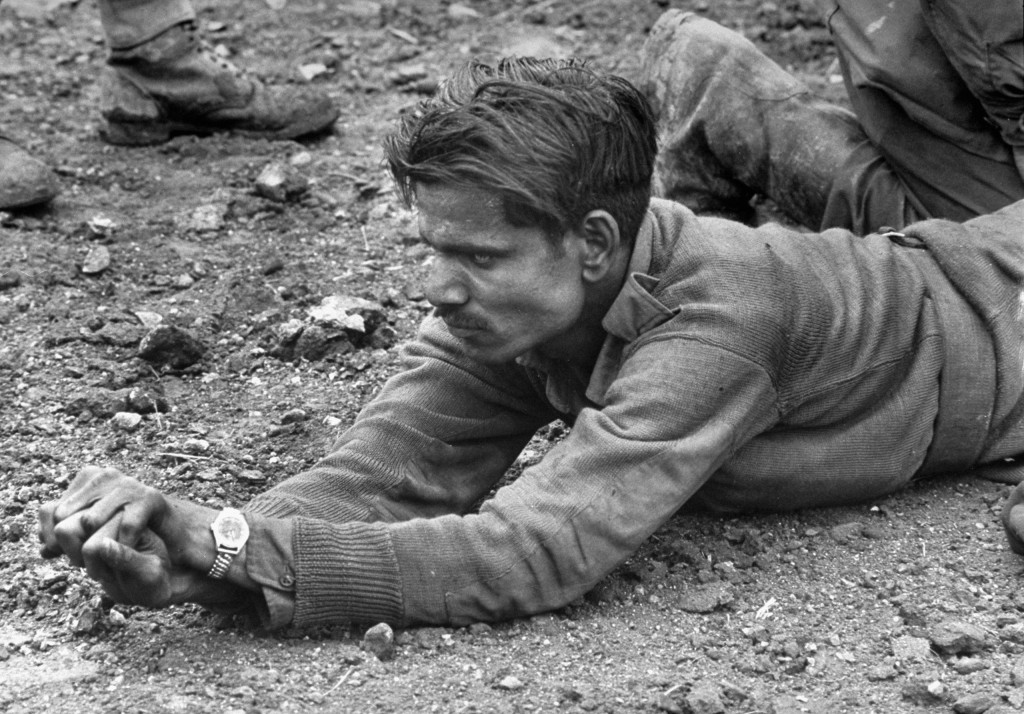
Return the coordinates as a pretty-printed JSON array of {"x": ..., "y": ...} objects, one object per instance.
[{"x": 501, "y": 290}]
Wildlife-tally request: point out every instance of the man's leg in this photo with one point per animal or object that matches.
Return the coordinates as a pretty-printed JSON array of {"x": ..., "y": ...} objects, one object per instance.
[
  {"x": 129, "y": 23},
  {"x": 734, "y": 123},
  {"x": 162, "y": 80}
]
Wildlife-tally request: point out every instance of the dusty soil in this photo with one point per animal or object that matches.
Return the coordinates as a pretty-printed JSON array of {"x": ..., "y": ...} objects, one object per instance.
[{"x": 908, "y": 604}]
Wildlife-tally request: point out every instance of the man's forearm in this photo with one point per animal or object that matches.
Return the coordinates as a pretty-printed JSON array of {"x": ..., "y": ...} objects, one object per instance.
[
  {"x": 186, "y": 530},
  {"x": 191, "y": 586}
]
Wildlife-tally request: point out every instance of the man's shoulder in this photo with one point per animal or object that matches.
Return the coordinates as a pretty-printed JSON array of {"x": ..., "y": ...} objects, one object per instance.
[{"x": 681, "y": 239}]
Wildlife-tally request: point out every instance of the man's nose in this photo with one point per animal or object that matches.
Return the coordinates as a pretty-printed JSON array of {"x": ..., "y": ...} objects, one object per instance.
[{"x": 445, "y": 284}]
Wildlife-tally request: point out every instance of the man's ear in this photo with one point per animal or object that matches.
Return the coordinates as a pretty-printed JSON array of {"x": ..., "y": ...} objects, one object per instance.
[{"x": 601, "y": 245}]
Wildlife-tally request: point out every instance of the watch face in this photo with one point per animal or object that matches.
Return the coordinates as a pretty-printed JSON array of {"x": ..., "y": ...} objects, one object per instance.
[{"x": 231, "y": 530}]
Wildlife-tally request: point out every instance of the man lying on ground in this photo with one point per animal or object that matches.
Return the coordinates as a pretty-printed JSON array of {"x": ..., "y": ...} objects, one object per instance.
[{"x": 698, "y": 361}]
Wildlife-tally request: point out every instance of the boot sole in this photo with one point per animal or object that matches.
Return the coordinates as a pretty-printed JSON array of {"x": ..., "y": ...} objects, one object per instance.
[{"x": 122, "y": 133}]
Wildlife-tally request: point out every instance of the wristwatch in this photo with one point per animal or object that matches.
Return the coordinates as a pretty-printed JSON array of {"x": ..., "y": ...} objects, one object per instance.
[{"x": 230, "y": 532}]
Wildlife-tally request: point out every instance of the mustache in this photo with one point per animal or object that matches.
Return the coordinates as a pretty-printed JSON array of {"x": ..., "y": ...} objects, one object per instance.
[{"x": 453, "y": 318}]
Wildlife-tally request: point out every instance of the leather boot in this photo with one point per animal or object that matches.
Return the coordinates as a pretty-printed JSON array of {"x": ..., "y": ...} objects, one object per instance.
[
  {"x": 24, "y": 180},
  {"x": 175, "y": 84},
  {"x": 733, "y": 123}
]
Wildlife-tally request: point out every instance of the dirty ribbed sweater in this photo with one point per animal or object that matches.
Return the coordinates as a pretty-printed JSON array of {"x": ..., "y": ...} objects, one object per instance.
[{"x": 742, "y": 369}]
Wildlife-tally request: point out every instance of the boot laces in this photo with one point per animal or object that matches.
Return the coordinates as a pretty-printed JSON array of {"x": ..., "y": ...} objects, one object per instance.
[{"x": 206, "y": 50}]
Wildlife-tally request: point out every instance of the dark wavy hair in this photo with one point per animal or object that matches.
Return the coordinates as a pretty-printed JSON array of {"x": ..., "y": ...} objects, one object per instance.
[{"x": 552, "y": 138}]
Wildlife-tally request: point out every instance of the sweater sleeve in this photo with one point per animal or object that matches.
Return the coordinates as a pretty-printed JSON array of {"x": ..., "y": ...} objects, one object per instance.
[
  {"x": 434, "y": 441},
  {"x": 676, "y": 411}
]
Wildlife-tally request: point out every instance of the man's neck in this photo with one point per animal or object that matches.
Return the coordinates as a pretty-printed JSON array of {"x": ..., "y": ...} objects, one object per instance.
[{"x": 583, "y": 342}]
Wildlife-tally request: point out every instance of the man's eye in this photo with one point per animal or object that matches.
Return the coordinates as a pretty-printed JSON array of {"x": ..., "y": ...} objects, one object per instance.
[{"x": 482, "y": 260}]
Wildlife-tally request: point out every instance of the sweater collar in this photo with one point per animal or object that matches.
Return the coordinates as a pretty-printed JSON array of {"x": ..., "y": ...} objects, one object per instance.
[{"x": 634, "y": 311}]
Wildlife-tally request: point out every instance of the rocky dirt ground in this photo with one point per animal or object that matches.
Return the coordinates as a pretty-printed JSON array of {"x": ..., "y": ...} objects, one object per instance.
[{"x": 294, "y": 269}]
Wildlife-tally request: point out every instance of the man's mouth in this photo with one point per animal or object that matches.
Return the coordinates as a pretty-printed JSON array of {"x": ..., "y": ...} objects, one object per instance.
[{"x": 460, "y": 326}]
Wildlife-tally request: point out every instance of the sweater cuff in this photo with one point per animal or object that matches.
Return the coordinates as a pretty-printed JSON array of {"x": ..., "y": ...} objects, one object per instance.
[{"x": 345, "y": 573}]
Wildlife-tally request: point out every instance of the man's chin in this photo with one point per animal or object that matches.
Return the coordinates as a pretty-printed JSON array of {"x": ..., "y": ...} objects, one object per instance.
[{"x": 486, "y": 351}]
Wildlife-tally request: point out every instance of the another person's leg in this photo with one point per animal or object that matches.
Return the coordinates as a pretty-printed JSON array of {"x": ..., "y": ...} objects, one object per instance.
[
  {"x": 733, "y": 123},
  {"x": 162, "y": 80}
]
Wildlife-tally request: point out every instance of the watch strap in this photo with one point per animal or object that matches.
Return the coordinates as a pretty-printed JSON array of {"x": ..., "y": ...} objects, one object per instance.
[{"x": 220, "y": 565}]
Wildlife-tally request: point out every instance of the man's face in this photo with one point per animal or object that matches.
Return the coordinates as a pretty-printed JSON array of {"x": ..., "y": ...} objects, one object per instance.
[{"x": 501, "y": 290}]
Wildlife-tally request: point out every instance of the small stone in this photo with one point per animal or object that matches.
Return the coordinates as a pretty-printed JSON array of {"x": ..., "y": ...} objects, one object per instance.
[
  {"x": 975, "y": 703},
  {"x": 195, "y": 446},
  {"x": 252, "y": 476},
  {"x": 100, "y": 403},
  {"x": 347, "y": 312},
  {"x": 786, "y": 704},
  {"x": 122, "y": 334},
  {"x": 510, "y": 684},
  {"x": 9, "y": 279},
  {"x": 1017, "y": 673},
  {"x": 1014, "y": 632},
  {"x": 1012, "y": 708},
  {"x": 281, "y": 183},
  {"x": 881, "y": 673},
  {"x": 846, "y": 532},
  {"x": 99, "y": 227},
  {"x": 145, "y": 401},
  {"x": 96, "y": 260},
  {"x": 149, "y": 320},
  {"x": 312, "y": 70},
  {"x": 922, "y": 693},
  {"x": 481, "y": 629},
  {"x": 379, "y": 641},
  {"x": 428, "y": 638},
  {"x": 206, "y": 218},
  {"x": 294, "y": 415},
  {"x": 88, "y": 621},
  {"x": 461, "y": 13},
  {"x": 705, "y": 699},
  {"x": 968, "y": 665},
  {"x": 126, "y": 421},
  {"x": 288, "y": 332},
  {"x": 274, "y": 265},
  {"x": 315, "y": 343}
]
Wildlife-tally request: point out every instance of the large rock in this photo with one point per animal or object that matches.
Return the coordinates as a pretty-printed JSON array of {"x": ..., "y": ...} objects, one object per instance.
[
  {"x": 170, "y": 346},
  {"x": 953, "y": 637}
]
